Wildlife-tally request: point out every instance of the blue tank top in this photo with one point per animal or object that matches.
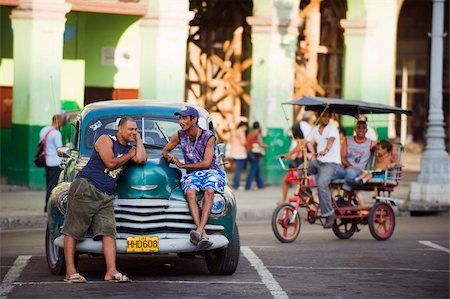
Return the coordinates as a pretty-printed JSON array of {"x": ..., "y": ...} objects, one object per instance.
[
  {"x": 98, "y": 174},
  {"x": 358, "y": 154},
  {"x": 194, "y": 151}
]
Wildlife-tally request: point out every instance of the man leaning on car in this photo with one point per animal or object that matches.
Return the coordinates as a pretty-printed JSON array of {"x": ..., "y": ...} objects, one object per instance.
[
  {"x": 90, "y": 202},
  {"x": 202, "y": 171}
]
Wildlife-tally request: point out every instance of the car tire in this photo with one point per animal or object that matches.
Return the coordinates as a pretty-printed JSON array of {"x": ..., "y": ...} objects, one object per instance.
[
  {"x": 224, "y": 261},
  {"x": 55, "y": 256}
]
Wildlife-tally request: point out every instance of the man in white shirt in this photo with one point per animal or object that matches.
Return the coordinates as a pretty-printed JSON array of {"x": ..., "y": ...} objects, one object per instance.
[
  {"x": 53, "y": 140},
  {"x": 304, "y": 124},
  {"x": 326, "y": 135}
]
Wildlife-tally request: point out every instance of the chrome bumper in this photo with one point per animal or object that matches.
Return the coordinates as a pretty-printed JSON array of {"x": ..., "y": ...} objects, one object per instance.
[{"x": 179, "y": 244}]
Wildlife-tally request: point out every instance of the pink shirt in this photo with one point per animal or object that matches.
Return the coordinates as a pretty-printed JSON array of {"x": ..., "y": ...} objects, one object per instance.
[{"x": 238, "y": 142}]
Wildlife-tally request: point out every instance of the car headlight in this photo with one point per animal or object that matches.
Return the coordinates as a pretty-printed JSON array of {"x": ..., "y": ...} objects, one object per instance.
[{"x": 219, "y": 204}]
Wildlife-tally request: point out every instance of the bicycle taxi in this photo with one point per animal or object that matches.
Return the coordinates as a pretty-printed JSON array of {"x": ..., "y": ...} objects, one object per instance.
[{"x": 286, "y": 219}]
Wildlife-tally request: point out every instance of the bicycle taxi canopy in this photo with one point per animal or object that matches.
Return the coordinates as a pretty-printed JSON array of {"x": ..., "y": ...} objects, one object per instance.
[
  {"x": 347, "y": 107},
  {"x": 380, "y": 217}
]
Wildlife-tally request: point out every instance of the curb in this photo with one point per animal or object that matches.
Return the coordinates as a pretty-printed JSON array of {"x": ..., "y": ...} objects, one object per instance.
[
  {"x": 40, "y": 221},
  {"x": 23, "y": 222}
]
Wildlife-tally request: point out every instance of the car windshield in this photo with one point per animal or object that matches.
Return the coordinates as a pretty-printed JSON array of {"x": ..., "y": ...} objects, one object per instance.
[{"x": 155, "y": 132}]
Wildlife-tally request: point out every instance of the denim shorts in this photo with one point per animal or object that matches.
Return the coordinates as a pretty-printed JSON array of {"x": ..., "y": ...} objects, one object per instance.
[
  {"x": 201, "y": 180},
  {"x": 87, "y": 207}
]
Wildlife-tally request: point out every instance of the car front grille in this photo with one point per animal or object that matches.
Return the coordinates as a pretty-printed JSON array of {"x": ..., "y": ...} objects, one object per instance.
[{"x": 155, "y": 216}]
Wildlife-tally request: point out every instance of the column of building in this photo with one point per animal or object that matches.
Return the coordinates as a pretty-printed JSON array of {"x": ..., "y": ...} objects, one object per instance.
[
  {"x": 274, "y": 40},
  {"x": 164, "y": 32},
  {"x": 369, "y": 57},
  {"x": 38, "y": 28},
  {"x": 433, "y": 182}
]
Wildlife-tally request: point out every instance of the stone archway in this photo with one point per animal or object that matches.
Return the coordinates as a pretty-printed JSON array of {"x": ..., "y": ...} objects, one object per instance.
[{"x": 413, "y": 68}]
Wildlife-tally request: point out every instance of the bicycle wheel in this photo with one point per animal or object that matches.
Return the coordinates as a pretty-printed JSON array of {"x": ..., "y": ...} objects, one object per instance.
[
  {"x": 286, "y": 223},
  {"x": 343, "y": 229},
  {"x": 381, "y": 221}
]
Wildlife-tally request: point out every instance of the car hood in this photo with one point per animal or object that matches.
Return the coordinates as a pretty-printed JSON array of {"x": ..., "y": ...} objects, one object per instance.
[{"x": 155, "y": 179}]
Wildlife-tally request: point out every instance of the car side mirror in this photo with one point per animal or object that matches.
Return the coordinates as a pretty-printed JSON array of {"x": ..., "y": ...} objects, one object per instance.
[
  {"x": 221, "y": 150},
  {"x": 63, "y": 152}
]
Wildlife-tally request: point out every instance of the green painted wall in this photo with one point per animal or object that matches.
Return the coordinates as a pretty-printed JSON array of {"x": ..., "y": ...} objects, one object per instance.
[
  {"x": 369, "y": 58},
  {"x": 5, "y": 138},
  {"x": 6, "y": 33},
  {"x": 97, "y": 34},
  {"x": 272, "y": 76},
  {"x": 278, "y": 144},
  {"x": 23, "y": 171}
]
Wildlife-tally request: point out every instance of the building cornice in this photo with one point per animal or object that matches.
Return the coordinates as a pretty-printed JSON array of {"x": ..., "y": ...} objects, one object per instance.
[
  {"x": 29, "y": 9},
  {"x": 138, "y": 7},
  {"x": 358, "y": 27},
  {"x": 9, "y": 2},
  {"x": 272, "y": 25},
  {"x": 170, "y": 20}
]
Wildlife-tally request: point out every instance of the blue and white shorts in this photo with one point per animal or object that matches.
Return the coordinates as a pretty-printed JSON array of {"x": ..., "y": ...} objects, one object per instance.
[{"x": 201, "y": 180}]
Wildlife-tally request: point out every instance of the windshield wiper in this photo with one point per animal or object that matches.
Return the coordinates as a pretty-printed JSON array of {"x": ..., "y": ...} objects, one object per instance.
[
  {"x": 158, "y": 146},
  {"x": 162, "y": 132}
]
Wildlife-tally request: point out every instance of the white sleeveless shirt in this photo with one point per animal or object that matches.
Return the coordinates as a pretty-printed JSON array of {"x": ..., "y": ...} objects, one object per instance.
[{"x": 358, "y": 154}]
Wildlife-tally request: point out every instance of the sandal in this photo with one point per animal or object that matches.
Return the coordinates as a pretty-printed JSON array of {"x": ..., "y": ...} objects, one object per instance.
[
  {"x": 195, "y": 237},
  {"x": 119, "y": 277},
  {"x": 75, "y": 278},
  {"x": 204, "y": 243}
]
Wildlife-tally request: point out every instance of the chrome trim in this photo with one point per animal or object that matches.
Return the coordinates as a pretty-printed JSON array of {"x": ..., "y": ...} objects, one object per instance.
[
  {"x": 177, "y": 244},
  {"x": 144, "y": 187}
]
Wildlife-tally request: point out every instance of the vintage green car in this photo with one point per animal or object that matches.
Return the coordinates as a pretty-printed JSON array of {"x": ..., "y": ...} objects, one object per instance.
[{"x": 149, "y": 205}]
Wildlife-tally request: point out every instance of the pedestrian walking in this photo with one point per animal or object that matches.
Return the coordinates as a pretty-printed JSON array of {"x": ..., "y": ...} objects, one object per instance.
[
  {"x": 239, "y": 152},
  {"x": 53, "y": 140},
  {"x": 255, "y": 150}
]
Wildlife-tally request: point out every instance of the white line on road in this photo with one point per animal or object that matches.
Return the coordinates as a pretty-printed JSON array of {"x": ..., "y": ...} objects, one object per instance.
[
  {"x": 435, "y": 246},
  {"x": 145, "y": 281},
  {"x": 359, "y": 268},
  {"x": 266, "y": 277},
  {"x": 13, "y": 274}
]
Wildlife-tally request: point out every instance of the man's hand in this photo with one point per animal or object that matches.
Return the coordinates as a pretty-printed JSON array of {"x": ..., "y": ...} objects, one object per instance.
[{"x": 132, "y": 152}]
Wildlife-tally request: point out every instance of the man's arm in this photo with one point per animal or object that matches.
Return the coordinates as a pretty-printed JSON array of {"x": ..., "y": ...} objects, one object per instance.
[
  {"x": 169, "y": 147},
  {"x": 344, "y": 160},
  {"x": 141, "y": 154},
  {"x": 328, "y": 146},
  {"x": 207, "y": 158},
  {"x": 104, "y": 147}
]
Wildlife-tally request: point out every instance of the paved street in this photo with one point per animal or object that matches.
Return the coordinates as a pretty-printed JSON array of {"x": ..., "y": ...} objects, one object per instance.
[{"x": 414, "y": 263}]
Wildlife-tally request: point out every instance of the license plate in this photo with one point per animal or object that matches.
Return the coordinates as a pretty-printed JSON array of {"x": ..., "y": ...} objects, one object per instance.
[{"x": 143, "y": 244}]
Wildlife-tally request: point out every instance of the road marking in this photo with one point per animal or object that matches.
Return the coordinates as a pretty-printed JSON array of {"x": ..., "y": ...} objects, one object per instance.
[
  {"x": 435, "y": 246},
  {"x": 144, "y": 281},
  {"x": 266, "y": 277},
  {"x": 360, "y": 268},
  {"x": 13, "y": 274}
]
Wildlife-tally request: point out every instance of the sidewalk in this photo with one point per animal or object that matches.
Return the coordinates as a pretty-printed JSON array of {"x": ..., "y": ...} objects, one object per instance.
[{"x": 23, "y": 208}]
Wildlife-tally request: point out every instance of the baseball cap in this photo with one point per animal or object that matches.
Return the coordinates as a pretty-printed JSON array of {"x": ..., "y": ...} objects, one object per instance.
[{"x": 188, "y": 111}]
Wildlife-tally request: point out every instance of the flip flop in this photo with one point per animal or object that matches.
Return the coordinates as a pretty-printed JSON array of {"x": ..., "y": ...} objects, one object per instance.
[
  {"x": 204, "y": 243},
  {"x": 195, "y": 237},
  {"x": 75, "y": 278},
  {"x": 119, "y": 277}
]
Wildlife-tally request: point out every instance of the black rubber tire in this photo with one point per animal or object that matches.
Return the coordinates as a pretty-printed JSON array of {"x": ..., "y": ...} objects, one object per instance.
[
  {"x": 225, "y": 261},
  {"x": 343, "y": 229},
  {"x": 55, "y": 256},
  {"x": 381, "y": 221},
  {"x": 280, "y": 223}
]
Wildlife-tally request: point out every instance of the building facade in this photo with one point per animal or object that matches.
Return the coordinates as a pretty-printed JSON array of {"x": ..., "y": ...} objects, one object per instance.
[{"x": 235, "y": 58}]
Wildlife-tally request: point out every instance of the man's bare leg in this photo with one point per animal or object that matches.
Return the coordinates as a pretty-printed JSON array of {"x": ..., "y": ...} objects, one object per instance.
[
  {"x": 69, "y": 254},
  {"x": 109, "y": 251},
  {"x": 206, "y": 210},
  {"x": 191, "y": 196}
]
